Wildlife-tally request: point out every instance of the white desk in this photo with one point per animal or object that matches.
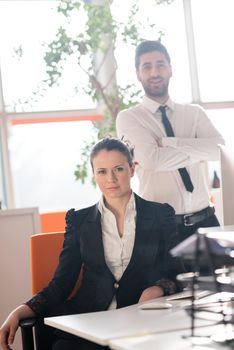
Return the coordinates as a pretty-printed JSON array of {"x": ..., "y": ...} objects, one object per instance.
[
  {"x": 171, "y": 340},
  {"x": 102, "y": 327}
]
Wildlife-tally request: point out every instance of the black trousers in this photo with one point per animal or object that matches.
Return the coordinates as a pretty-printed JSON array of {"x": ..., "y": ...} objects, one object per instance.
[
  {"x": 67, "y": 341},
  {"x": 186, "y": 231},
  {"x": 76, "y": 344}
]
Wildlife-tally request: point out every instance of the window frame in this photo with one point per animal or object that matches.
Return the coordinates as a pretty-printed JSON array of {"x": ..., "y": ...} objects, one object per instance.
[{"x": 8, "y": 119}]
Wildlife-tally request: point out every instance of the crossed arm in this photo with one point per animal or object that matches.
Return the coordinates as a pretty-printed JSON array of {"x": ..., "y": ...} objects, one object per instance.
[{"x": 154, "y": 151}]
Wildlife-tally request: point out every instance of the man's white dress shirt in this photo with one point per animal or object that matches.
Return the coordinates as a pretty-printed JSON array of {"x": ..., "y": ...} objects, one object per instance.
[
  {"x": 118, "y": 250},
  {"x": 196, "y": 141}
]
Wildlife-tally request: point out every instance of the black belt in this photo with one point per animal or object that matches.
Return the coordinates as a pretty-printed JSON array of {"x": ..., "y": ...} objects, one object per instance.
[{"x": 194, "y": 218}]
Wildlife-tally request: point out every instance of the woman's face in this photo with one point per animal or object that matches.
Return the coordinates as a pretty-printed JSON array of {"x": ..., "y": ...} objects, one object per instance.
[{"x": 112, "y": 174}]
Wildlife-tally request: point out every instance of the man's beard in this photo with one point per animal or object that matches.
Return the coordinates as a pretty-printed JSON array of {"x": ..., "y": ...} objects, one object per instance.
[{"x": 153, "y": 92}]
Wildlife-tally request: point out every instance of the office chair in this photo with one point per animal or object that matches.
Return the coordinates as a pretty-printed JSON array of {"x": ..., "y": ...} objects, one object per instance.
[
  {"x": 44, "y": 255},
  {"x": 52, "y": 221}
]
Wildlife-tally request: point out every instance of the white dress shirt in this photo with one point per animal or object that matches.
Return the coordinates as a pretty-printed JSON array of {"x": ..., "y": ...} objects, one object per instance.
[
  {"x": 118, "y": 250},
  {"x": 196, "y": 141}
]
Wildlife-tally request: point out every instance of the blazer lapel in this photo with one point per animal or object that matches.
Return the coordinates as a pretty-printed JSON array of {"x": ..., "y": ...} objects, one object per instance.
[
  {"x": 92, "y": 235},
  {"x": 144, "y": 227}
]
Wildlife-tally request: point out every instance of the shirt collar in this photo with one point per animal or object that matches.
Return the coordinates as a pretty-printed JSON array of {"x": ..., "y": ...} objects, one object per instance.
[
  {"x": 103, "y": 209},
  {"x": 101, "y": 205},
  {"x": 153, "y": 106}
]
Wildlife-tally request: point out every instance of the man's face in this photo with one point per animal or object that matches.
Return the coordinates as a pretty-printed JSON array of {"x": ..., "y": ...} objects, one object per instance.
[{"x": 154, "y": 73}]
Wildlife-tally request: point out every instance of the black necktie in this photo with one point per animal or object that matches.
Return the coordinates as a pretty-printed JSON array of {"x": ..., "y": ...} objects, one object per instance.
[{"x": 169, "y": 131}]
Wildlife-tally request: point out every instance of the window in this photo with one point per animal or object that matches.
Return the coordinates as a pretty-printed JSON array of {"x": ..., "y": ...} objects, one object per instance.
[
  {"x": 170, "y": 20},
  {"x": 25, "y": 26},
  {"x": 43, "y": 158},
  {"x": 213, "y": 31}
]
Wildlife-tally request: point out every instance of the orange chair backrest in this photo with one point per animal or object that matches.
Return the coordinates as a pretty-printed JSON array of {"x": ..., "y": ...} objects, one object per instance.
[
  {"x": 44, "y": 251},
  {"x": 53, "y": 221}
]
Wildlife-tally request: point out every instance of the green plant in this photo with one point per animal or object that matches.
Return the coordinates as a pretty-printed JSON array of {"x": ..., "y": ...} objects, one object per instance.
[{"x": 98, "y": 40}]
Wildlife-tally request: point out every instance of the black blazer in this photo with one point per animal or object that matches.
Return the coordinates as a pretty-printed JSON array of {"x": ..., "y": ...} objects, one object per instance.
[{"x": 150, "y": 264}]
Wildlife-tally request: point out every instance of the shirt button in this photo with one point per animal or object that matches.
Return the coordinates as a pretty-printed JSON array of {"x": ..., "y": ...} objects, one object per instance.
[{"x": 116, "y": 285}]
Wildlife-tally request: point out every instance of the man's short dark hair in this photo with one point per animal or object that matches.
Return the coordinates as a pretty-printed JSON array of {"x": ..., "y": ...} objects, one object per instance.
[{"x": 150, "y": 46}]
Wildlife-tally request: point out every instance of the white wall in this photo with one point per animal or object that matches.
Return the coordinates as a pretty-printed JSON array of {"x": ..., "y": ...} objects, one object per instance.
[
  {"x": 16, "y": 226},
  {"x": 227, "y": 169}
]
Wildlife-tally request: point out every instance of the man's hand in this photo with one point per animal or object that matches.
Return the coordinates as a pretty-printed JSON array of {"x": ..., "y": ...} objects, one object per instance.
[{"x": 151, "y": 293}]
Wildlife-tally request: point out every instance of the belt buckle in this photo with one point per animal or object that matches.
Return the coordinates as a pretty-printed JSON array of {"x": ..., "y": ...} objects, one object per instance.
[{"x": 185, "y": 220}]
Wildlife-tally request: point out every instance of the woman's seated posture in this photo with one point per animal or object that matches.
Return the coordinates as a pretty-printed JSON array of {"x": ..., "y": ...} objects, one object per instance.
[{"x": 123, "y": 244}]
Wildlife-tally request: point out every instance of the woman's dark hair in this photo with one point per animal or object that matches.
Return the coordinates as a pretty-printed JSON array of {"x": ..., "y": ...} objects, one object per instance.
[
  {"x": 150, "y": 46},
  {"x": 112, "y": 144}
]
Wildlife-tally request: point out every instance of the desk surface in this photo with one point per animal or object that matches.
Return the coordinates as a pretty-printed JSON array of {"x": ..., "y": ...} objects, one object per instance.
[
  {"x": 101, "y": 327},
  {"x": 176, "y": 340}
]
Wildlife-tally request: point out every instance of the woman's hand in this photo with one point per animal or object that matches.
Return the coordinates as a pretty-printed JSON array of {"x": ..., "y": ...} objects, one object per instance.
[
  {"x": 8, "y": 330},
  {"x": 151, "y": 293},
  {"x": 10, "y": 326}
]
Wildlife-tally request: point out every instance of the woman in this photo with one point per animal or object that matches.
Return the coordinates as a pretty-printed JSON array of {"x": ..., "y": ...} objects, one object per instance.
[{"x": 123, "y": 244}]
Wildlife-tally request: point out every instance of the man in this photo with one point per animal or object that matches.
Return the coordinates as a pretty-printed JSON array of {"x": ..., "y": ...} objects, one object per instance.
[{"x": 172, "y": 143}]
